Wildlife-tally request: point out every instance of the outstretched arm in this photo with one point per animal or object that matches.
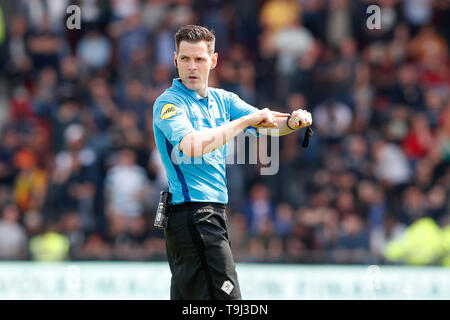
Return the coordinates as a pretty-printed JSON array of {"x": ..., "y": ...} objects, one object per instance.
[
  {"x": 199, "y": 142},
  {"x": 298, "y": 119}
]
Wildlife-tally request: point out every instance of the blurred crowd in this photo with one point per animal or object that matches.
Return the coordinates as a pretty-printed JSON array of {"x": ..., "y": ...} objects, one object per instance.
[{"x": 79, "y": 172}]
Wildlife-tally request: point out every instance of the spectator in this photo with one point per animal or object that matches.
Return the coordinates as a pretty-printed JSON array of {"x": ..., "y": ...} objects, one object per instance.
[
  {"x": 443, "y": 138},
  {"x": 141, "y": 67},
  {"x": 131, "y": 35},
  {"x": 70, "y": 87},
  {"x": 345, "y": 202},
  {"x": 357, "y": 156},
  {"x": 434, "y": 103},
  {"x": 234, "y": 175},
  {"x": 255, "y": 251},
  {"x": 71, "y": 226},
  {"x": 159, "y": 82},
  {"x": 418, "y": 12},
  {"x": 33, "y": 223},
  {"x": 291, "y": 42},
  {"x": 363, "y": 97},
  {"x": 259, "y": 209},
  {"x": 13, "y": 238},
  {"x": 101, "y": 103},
  {"x": 134, "y": 102},
  {"x": 45, "y": 46},
  {"x": 239, "y": 236},
  {"x": 9, "y": 145},
  {"x": 126, "y": 187},
  {"x": 302, "y": 239},
  {"x": 93, "y": 13},
  {"x": 437, "y": 203},
  {"x": 383, "y": 234},
  {"x": 153, "y": 13},
  {"x": 52, "y": 12},
  {"x": 18, "y": 64},
  {"x": 30, "y": 183},
  {"x": 284, "y": 220},
  {"x": 94, "y": 50},
  {"x": 391, "y": 166},
  {"x": 164, "y": 44},
  {"x": 217, "y": 19},
  {"x": 276, "y": 15},
  {"x": 418, "y": 141},
  {"x": 125, "y": 131},
  {"x": 353, "y": 242},
  {"x": 45, "y": 99},
  {"x": 398, "y": 124},
  {"x": 123, "y": 9},
  {"x": 22, "y": 114},
  {"x": 332, "y": 119},
  {"x": 327, "y": 232},
  {"x": 274, "y": 252},
  {"x": 424, "y": 234},
  {"x": 338, "y": 22},
  {"x": 265, "y": 70},
  {"x": 73, "y": 182},
  {"x": 414, "y": 205},
  {"x": 94, "y": 248},
  {"x": 345, "y": 69},
  {"x": 423, "y": 175},
  {"x": 408, "y": 91},
  {"x": 50, "y": 246},
  {"x": 129, "y": 241}
]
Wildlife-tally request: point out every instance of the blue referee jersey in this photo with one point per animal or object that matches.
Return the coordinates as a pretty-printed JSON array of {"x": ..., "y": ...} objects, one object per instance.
[{"x": 179, "y": 111}]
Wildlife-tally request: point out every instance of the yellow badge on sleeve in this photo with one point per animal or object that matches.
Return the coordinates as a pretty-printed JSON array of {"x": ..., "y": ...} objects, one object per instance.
[{"x": 168, "y": 110}]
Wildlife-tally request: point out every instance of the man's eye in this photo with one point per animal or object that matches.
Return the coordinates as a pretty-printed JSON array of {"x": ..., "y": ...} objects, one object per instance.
[{"x": 184, "y": 58}]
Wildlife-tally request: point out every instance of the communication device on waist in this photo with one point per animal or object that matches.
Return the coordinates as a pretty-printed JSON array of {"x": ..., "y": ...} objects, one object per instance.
[{"x": 164, "y": 210}]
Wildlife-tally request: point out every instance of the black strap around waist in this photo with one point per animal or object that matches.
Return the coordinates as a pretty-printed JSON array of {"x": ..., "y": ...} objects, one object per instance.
[{"x": 198, "y": 205}]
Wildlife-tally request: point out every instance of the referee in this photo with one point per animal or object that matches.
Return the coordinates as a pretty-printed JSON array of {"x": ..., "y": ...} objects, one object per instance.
[{"x": 194, "y": 121}]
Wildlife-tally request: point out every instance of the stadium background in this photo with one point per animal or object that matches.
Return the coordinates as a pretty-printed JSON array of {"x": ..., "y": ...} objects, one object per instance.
[{"x": 80, "y": 174}]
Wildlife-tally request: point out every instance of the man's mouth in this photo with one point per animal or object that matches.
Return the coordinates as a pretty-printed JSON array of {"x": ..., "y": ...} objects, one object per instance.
[{"x": 192, "y": 78}]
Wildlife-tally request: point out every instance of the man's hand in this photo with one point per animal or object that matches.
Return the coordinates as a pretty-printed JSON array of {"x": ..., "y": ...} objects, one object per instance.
[
  {"x": 264, "y": 118},
  {"x": 300, "y": 119}
]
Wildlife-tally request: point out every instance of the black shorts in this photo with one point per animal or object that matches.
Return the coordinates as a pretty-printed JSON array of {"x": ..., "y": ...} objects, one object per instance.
[{"x": 199, "y": 253}]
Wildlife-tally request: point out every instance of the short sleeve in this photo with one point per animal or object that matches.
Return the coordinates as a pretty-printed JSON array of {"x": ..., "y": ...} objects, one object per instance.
[
  {"x": 172, "y": 120},
  {"x": 240, "y": 108}
]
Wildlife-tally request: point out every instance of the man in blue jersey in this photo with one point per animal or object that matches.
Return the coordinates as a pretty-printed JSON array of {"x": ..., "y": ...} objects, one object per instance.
[{"x": 192, "y": 124}]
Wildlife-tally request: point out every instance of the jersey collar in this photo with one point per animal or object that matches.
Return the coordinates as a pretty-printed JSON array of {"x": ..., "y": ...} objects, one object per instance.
[{"x": 178, "y": 84}]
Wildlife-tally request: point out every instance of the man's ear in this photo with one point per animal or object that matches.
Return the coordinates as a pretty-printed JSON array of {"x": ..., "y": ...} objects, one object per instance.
[
  {"x": 175, "y": 59},
  {"x": 214, "y": 59}
]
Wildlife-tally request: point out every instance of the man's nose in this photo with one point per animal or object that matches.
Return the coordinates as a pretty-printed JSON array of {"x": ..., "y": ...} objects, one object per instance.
[{"x": 192, "y": 65}]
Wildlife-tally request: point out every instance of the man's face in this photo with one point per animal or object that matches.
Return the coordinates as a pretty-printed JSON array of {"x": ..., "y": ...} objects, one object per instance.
[{"x": 193, "y": 64}]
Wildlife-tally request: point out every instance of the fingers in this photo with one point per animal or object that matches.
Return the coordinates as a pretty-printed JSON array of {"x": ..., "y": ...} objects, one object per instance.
[
  {"x": 280, "y": 114},
  {"x": 267, "y": 124},
  {"x": 302, "y": 118},
  {"x": 267, "y": 119},
  {"x": 271, "y": 119}
]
